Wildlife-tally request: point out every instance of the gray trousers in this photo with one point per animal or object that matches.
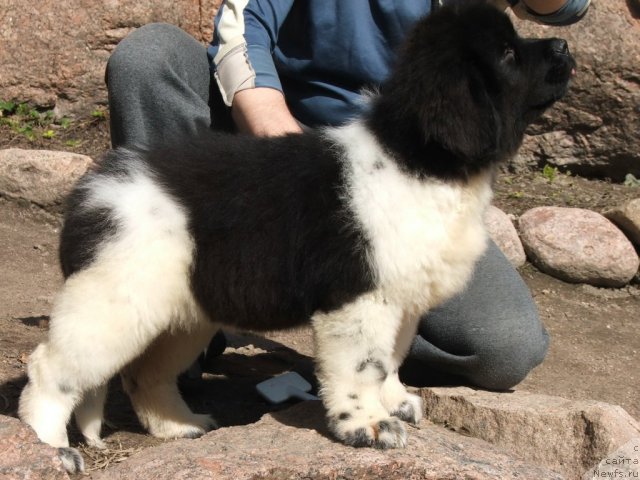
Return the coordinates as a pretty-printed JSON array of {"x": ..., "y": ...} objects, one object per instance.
[{"x": 490, "y": 335}]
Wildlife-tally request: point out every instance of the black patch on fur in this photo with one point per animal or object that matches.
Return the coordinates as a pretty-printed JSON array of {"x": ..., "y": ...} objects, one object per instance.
[
  {"x": 64, "y": 389},
  {"x": 81, "y": 236},
  {"x": 405, "y": 412},
  {"x": 358, "y": 438},
  {"x": 353, "y": 396},
  {"x": 71, "y": 459},
  {"x": 85, "y": 228},
  {"x": 274, "y": 239},
  {"x": 373, "y": 363},
  {"x": 384, "y": 426},
  {"x": 456, "y": 103}
]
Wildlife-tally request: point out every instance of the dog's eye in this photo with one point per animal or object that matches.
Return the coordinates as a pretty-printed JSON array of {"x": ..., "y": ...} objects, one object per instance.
[{"x": 508, "y": 54}]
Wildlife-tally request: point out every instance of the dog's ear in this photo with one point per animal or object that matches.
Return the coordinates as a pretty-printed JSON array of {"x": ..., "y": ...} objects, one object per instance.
[
  {"x": 427, "y": 103},
  {"x": 456, "y": 111}
]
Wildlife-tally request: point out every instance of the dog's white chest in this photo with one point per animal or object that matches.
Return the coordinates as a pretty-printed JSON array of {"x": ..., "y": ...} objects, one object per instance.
[{"x": 425, "y": 235}]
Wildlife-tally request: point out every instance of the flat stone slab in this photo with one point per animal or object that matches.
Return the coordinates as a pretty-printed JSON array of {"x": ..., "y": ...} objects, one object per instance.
[
  {"x": 294, "y": 444},
  {"x": 563, "y": 435}
]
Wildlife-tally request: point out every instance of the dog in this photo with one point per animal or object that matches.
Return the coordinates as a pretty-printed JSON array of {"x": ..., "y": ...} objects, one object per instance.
[{"x": 359, "y": 229}]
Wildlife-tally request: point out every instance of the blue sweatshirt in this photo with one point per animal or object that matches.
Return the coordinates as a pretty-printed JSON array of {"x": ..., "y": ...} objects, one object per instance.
[{"x": 320, "y": 53}]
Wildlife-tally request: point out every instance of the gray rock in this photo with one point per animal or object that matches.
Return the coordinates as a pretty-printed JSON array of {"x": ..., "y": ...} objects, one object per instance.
[
  {"x": 578, "y": 245},
  {"x": 563, "y": 435},
  {"x": 42, "y": 177},
  {"x": 294, "y": 444},
  {"x": 504, "y": 234},
  {"x": 24, "y": 456},
  {"x": 627, "y": 218},
  {"x": 595, "y": 129}
]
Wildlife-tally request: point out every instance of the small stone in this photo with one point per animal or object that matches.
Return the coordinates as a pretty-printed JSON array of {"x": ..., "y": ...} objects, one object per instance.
[
  {"x": 578, "y": 245},
  {"x": 504, "y": 234},
  {"x": 627, "y": 218},
  {"x": 41, "y": 177}
]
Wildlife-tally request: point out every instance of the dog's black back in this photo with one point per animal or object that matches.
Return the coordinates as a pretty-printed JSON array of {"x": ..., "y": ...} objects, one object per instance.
[{"x": 251, "y": 204}]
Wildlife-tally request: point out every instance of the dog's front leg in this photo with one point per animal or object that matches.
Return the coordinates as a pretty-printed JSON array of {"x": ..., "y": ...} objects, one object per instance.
[
  {"x": 400, "y": 403},
  {"x": 355, "y": 354}
]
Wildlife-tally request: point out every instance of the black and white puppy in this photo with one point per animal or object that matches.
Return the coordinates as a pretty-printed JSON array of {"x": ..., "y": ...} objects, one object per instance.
[{"x": 359, "y": 229}]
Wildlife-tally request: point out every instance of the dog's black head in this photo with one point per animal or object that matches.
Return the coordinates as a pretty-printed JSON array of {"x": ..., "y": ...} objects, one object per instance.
[{"x": 465, "y": 88}]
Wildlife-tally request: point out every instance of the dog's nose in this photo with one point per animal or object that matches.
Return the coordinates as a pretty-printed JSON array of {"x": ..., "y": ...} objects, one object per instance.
[{"x": 559, "y": 46}]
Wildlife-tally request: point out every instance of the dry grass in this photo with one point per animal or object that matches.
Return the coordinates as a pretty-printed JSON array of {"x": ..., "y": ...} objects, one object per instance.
[{"x": 99, "y": 459}]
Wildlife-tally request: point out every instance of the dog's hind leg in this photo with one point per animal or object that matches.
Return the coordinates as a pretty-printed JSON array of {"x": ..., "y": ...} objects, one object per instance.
[
  {"x": 355, "y": 348},
  {"x": 89, "y": 413},
  {"x": 151, "y": 382},
  {"x": 97, "y": 327},
  {"x": 48, "y": 398},
  {"x": 398, "y": 402}
]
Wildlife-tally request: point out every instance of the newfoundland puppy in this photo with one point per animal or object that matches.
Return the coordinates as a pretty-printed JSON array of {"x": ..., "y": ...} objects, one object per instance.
[{"x": 359, "y": 229}]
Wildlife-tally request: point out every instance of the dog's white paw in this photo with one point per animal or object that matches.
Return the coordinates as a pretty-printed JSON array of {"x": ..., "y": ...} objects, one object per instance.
[
  {"x": 94, "y": 442},
  {"x": 359, "y": 431}
]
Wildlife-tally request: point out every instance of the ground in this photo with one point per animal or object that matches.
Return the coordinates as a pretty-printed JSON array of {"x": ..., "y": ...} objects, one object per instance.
[{"x": 595, "y": 350}]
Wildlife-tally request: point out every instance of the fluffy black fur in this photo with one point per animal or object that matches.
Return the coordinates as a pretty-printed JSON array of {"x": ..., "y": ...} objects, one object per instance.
[
  {"x": 465, "y": 88},
  {"x": 275, "y": 239},
  {"x": 269, "y": 213}
]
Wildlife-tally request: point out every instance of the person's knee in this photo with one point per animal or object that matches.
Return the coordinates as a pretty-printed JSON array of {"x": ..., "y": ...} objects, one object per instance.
[
  {"x": 508, "y": 363},
  {"x": 143, "y": 52}
]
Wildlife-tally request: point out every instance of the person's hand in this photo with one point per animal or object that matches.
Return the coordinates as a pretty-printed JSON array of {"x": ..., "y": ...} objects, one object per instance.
[{"x": 263, "y": 112}]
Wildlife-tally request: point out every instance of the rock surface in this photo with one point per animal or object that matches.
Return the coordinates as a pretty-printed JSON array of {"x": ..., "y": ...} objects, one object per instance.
[
  {"x": 293, "y": 444},
  {"x": 627, "y": 218},
  {"x": 55, "y": 53},
  {"x": 24, "y": 456},
  {"x": 578, "y": 245},
  {"x": 40, "y": 176},
  {"x": 623, "y": 463},
  {"x": 566, "y": 436},
  {"x": 504, "y": 234},
  {"x": 595, "y": 129}
]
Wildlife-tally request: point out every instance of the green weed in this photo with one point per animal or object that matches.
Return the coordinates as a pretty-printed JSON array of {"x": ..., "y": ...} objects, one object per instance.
[
  {"x": 99, "y": 114},
  {"x": 550, "y": 173},
  {"x": 30, "y": 121}
]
